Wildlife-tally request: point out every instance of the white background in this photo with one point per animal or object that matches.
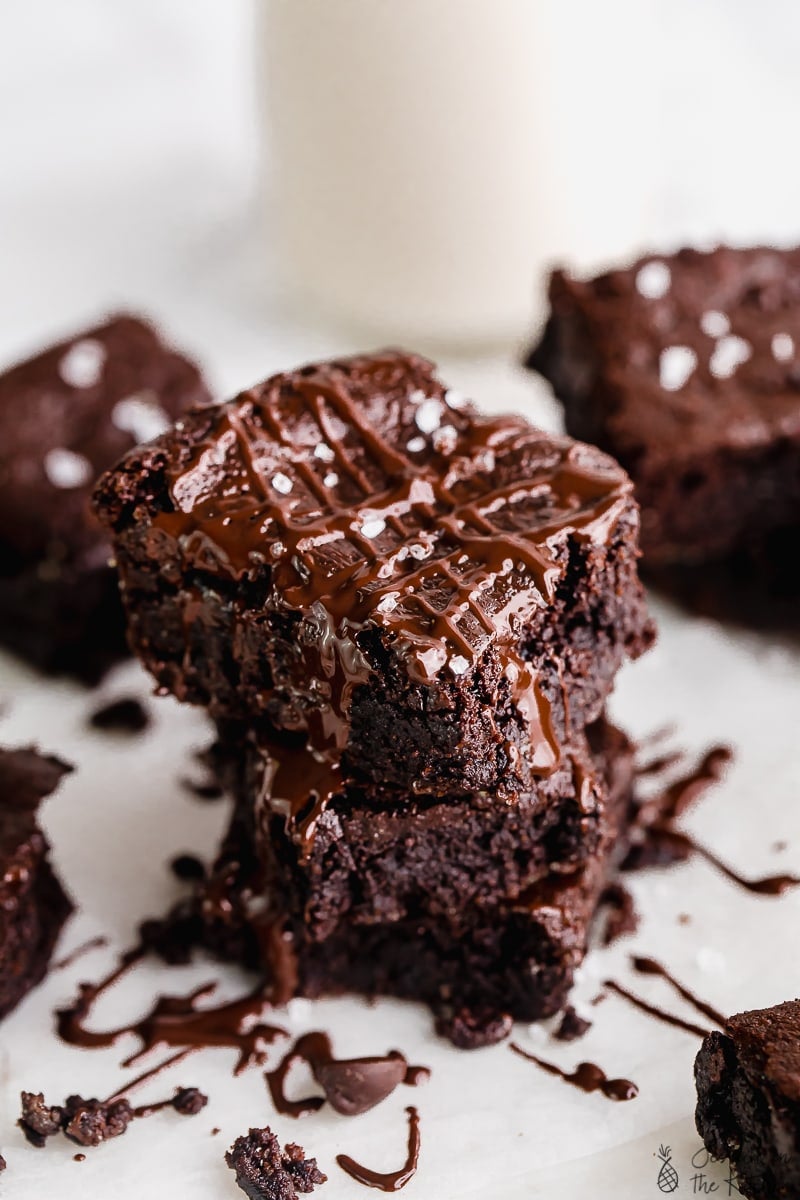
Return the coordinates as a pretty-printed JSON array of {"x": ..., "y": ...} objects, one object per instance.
[{"x": 131, "y": 175}]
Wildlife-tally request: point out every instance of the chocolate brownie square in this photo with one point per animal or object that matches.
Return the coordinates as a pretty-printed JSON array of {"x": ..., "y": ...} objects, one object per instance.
[
  {"x": 686, "y": 367},
  {"x": 748, "y": 1099},
  {"x": 33, "y": 905},
  {"x": 66, "y": 415},
  {"x": 494, "y": 952},
  {"x": 352, "y": 552},
  {"x": 369, "y": 854}
]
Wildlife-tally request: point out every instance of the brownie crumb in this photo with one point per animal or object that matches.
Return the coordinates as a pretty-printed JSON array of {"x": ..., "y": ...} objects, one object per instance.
[
  {"x": 87, "y": 1122},
  {"x": 471, "y": 1029},
  {"x": 621, "y": 915},
  {"x": 215, "y": 1131},
  {"x": 264, "y": 1171},
  {"x": 572, "y": 1026},
  {"x": 684, "y": 919},
  {"x": 127, "y": 715},
  {"x": 79, "y": 1158},
  {"x": 188, "y": 868},
  {"x": 189, "y": 1101}
]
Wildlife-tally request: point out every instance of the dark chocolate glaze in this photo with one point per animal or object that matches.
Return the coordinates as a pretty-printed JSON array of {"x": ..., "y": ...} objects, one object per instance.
[
  {"x": 388, "y": 1181},
  {"x": 653, "y": 1010},
  {"x": 445, "y": 548},
  {"x": 351, "y": 1086},
  {"x": 650, "y": 966},
  {"x": 175, "y": 1021},
  {"x": 588, "y": 1077}
]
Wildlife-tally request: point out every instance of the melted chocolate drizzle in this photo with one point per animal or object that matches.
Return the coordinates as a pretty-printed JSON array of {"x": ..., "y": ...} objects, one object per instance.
[
  {"x": 388, "y": 1181},
  {"x": 653, "y": 1010},
  {"x": 86, "y": 947},
  {"x": 175, "y": 1021},
  {"x": 445, "y": 549},
  {"x": 588, "y": 1077},
  {"x": 651, "y": 966},
  {"x": 661, "y": 843},
  {"x": 351, "y": 1086}
]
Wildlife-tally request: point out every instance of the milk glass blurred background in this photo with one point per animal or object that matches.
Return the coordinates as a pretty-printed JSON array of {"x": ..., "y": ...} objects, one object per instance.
[{"x": 277, "y": 178}]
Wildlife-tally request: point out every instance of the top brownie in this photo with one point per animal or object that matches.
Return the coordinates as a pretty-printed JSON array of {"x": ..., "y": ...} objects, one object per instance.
[
  {"x": 687, "y": 369},
  {"x": 351, "y": 551}
]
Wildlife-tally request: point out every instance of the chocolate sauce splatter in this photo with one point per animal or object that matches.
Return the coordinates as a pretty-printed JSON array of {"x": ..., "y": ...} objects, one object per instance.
[
  {"x": 94, "y": 943},
  {"x": 621, "y": 917},
  {"x": 202, "y": 789},
  {"x": 175, "y": 1021},
  {"x": 126, "y": 715},
  {"x": 572, "y": 1026},
  {"x": 188, "y": 868},
  {"x": 653, "y": 1010},
  {"x": 650, "y": 966},
  {"x": 351, "y": 1086},
  {"x": 3, "y": 1163},
  {"x": 79, "y": 1158},
  {"x": 588, "y": 1077},
  {"x": 388, "y": 1181}
]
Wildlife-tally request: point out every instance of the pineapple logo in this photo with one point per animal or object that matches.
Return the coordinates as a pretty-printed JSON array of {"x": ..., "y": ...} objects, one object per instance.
[{"x": 667, "y": 1176}]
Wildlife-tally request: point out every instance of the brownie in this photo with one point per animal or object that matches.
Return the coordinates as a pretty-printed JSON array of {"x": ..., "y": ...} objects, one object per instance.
[
  {"x": 371, "y": 854},
  {"x": 686, "y": 367},
  {"x": 350, "y": 551},
  {"x": 33, "y": 905},
  {"x": 748, "y": 1099},
  {"x": 66, "y": 415},
  {"x": 502, "y": 955}
]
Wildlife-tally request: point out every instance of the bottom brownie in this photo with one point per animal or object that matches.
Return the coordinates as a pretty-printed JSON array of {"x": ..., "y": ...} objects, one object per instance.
[
  {"x": 65, "y": 618},
  {"x": 33, "y": 905},
  {"x": 514, "y": 956},
  {"x": 748, "y": 1099}
]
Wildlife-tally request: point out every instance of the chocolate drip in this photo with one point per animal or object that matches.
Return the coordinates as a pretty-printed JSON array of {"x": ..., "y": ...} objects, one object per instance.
[
  {"x": 94, "y": 943},
  {"x": 388, "y": 1181},
  {"x": 445, "y": 547},
  {"x": 351, "y": 1086},
  {"x": 650, "y": 966},
  {"x": 175, "y": 1021},
  {"x": 588, "y": 1077},
  {"x": 660, "y": 843},
  {"x": 653, "y": 1010}
]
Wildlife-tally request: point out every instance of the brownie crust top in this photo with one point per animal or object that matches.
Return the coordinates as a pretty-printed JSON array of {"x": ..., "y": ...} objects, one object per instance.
[{"x": 363, "y": 493}]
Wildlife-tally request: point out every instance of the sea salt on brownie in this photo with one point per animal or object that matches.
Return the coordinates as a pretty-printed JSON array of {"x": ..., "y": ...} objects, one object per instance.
[
  {"x": 354, "y": 553},
  {"x": 686, "y": 368},
  {"x": 65, "y": 416}
]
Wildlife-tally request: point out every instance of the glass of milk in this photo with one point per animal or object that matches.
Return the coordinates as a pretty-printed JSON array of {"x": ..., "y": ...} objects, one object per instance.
[{"x": 430, "y": 158}]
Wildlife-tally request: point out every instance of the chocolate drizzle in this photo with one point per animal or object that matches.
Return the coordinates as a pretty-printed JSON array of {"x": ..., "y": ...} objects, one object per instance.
[
  {"x": 86, "y": 947},
  {"x": 351, "y": 1086},
  {"x": 588, "y": 1077},
  {"x": 388, "y": 1181},
  {"x": 650, "y": 966},
  {"x": 653, "y": 1010},
  {"x": 334, "y": 503},
  {"x": 175, "y": 1021}
]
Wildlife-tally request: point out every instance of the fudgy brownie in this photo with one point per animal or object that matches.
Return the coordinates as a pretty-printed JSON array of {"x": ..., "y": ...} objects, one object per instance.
[
  {"x": 65, "y": 416},
  {"x": 33, "y": 905},
  {"x": 748, "y": 1099},
  {"x": 515, "y": 956},
  {"x": 352, "y": 551},
  {"x": 687, "y": 369},
  {"x": 368, "y": 854}
]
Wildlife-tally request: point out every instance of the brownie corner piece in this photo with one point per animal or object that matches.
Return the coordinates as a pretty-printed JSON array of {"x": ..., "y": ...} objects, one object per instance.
[
  {"x": 67, "y": 414},
  {"x": 748, "y": 1099},
  {"x": 686, "y": 367},
  {"x": 353, "y": 552},
  {"x": 33, "y": 904}
]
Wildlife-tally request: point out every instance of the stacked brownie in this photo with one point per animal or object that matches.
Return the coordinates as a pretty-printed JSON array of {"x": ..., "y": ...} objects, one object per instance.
[
  {"x": 405, "y": 618},
  {"x": 686, "y": 368},
  {"x": 66, "y": 415}
]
